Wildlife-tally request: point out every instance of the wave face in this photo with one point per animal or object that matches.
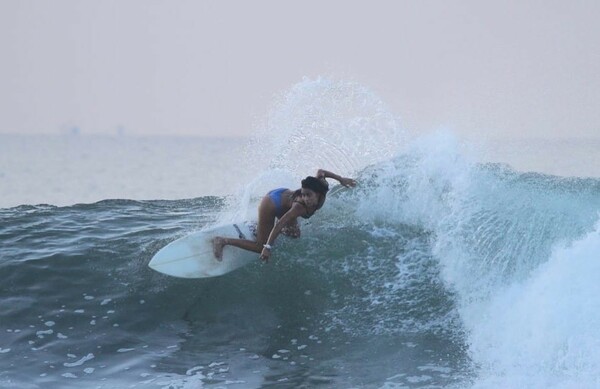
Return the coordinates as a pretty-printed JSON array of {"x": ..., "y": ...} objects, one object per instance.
[{"x": 434, "y": 272}]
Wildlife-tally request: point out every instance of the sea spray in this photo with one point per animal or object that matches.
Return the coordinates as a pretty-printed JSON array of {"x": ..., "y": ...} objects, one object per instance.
[{"x": 337, "y": 125}]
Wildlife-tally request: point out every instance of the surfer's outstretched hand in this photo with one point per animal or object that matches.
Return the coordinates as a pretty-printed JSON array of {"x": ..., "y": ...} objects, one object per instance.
[
  {"x": 348, "y": 182},
  {"x": 344, "y": 181}
]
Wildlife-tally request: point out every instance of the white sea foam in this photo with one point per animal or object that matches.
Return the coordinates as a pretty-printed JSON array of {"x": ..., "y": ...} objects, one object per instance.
[
  {"x": 80, "y": 361},
  {"x": 543, "y": 332},
  {"x": 193, "y": 370},
  {"x": 40, "y": 334}
]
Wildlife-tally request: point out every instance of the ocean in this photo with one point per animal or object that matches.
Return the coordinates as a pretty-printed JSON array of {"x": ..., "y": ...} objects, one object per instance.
[{"x": 450, "y": 265}]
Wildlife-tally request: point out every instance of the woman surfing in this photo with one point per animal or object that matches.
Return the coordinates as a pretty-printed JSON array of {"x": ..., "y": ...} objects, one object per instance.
[{"x": 278, "y": 213}]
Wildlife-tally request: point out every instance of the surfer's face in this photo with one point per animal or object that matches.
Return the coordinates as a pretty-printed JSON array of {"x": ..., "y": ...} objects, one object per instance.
[{"x": 310, "y": 197}]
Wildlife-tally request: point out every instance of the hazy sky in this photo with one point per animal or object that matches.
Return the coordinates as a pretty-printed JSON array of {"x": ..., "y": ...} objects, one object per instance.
[{"x": 504, "y": 68}]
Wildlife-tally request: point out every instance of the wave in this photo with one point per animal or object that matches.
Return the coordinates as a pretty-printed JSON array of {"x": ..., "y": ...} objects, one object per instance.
[
  {"x": 477, "y": 274},
  {"x": 513, "y": 250}
]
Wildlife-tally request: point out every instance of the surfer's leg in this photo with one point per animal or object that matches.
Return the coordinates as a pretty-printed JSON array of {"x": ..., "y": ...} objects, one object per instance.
[
  {"x": 241, "y": 243},
  {"x": 266, "y": 221},
  {"x": 220, "y": 242}
]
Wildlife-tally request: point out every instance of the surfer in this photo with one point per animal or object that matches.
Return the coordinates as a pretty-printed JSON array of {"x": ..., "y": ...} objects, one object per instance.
[{"x": 278, "y": 213}]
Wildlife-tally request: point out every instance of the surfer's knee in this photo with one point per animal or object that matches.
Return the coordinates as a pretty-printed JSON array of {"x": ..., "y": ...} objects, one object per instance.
[
  {"x": 223, "y": 241},
  {"x": 219, "y": 242}
]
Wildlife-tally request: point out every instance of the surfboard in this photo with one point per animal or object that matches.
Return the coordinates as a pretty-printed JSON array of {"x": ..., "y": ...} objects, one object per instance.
[{"x": 192, "y": 256}]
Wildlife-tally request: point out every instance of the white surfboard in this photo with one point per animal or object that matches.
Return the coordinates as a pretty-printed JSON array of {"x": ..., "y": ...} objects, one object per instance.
[{"x": 192, "y": 256}]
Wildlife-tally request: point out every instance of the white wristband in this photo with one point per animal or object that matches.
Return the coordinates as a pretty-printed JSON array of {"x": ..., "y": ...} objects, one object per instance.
[{"x": 268, "y": 246}]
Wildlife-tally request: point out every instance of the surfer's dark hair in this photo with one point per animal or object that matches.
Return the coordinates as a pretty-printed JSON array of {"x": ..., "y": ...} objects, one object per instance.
[{"x": 315, "y": 184}]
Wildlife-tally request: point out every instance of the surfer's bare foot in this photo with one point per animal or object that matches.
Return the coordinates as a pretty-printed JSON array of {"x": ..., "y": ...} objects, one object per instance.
[{"x": 218, "y": 244}]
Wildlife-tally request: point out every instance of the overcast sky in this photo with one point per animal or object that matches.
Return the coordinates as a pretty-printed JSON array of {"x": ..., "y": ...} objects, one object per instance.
[{"x": 506, "y": 68}]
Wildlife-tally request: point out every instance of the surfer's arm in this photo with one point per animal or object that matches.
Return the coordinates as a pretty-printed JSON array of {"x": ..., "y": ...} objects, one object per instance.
[
  {"x": 289, "y": 217},
  {"x": 344, "y": 181}
]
